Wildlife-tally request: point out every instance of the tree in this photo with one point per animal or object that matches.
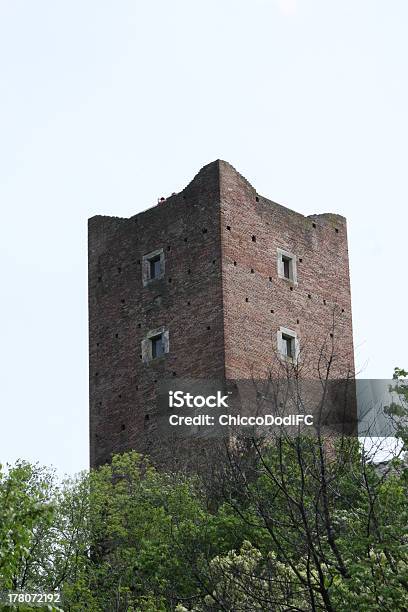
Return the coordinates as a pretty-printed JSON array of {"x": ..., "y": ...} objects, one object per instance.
[
  {"x": 325, "y": 529},
  {"x": 24, "y": 503}
]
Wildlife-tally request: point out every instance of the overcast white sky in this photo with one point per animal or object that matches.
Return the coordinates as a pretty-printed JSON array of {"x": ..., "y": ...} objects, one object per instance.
[{"x": 106, "y": 105}]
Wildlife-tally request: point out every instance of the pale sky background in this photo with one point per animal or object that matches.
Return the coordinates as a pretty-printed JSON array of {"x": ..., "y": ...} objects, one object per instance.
[{"x": 106, "y": 105}]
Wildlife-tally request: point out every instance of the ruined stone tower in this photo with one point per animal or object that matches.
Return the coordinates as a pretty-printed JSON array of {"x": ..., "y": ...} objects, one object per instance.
[{"x": 210, "y": 283}]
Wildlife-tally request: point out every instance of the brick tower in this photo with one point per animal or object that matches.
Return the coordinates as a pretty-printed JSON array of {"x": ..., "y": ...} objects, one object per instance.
[{"x": 210, "y": 283}]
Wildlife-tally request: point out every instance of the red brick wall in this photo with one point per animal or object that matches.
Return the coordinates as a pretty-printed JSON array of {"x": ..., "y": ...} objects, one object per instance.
[
  {"x": 250, "y": 328},
  {"x": 122, "y": 311}
]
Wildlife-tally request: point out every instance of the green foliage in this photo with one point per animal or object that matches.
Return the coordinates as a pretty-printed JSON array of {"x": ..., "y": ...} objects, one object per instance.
[
  {"x": 24, "y": 503},
  {"x": 136, "y": 516}
]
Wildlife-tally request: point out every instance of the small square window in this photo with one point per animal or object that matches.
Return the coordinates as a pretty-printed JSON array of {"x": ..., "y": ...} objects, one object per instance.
[
  {"x": 155, "y": 344},
  {"x": 287, "y": 266},
  {"x": 288, "y": 344},
  {"x": 153, "y": 266}
]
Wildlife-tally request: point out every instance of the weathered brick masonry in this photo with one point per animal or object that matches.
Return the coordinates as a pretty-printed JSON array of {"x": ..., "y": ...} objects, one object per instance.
[
  {"x": 257, "y": 302},
  {"x": 221, "y": 298}
]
